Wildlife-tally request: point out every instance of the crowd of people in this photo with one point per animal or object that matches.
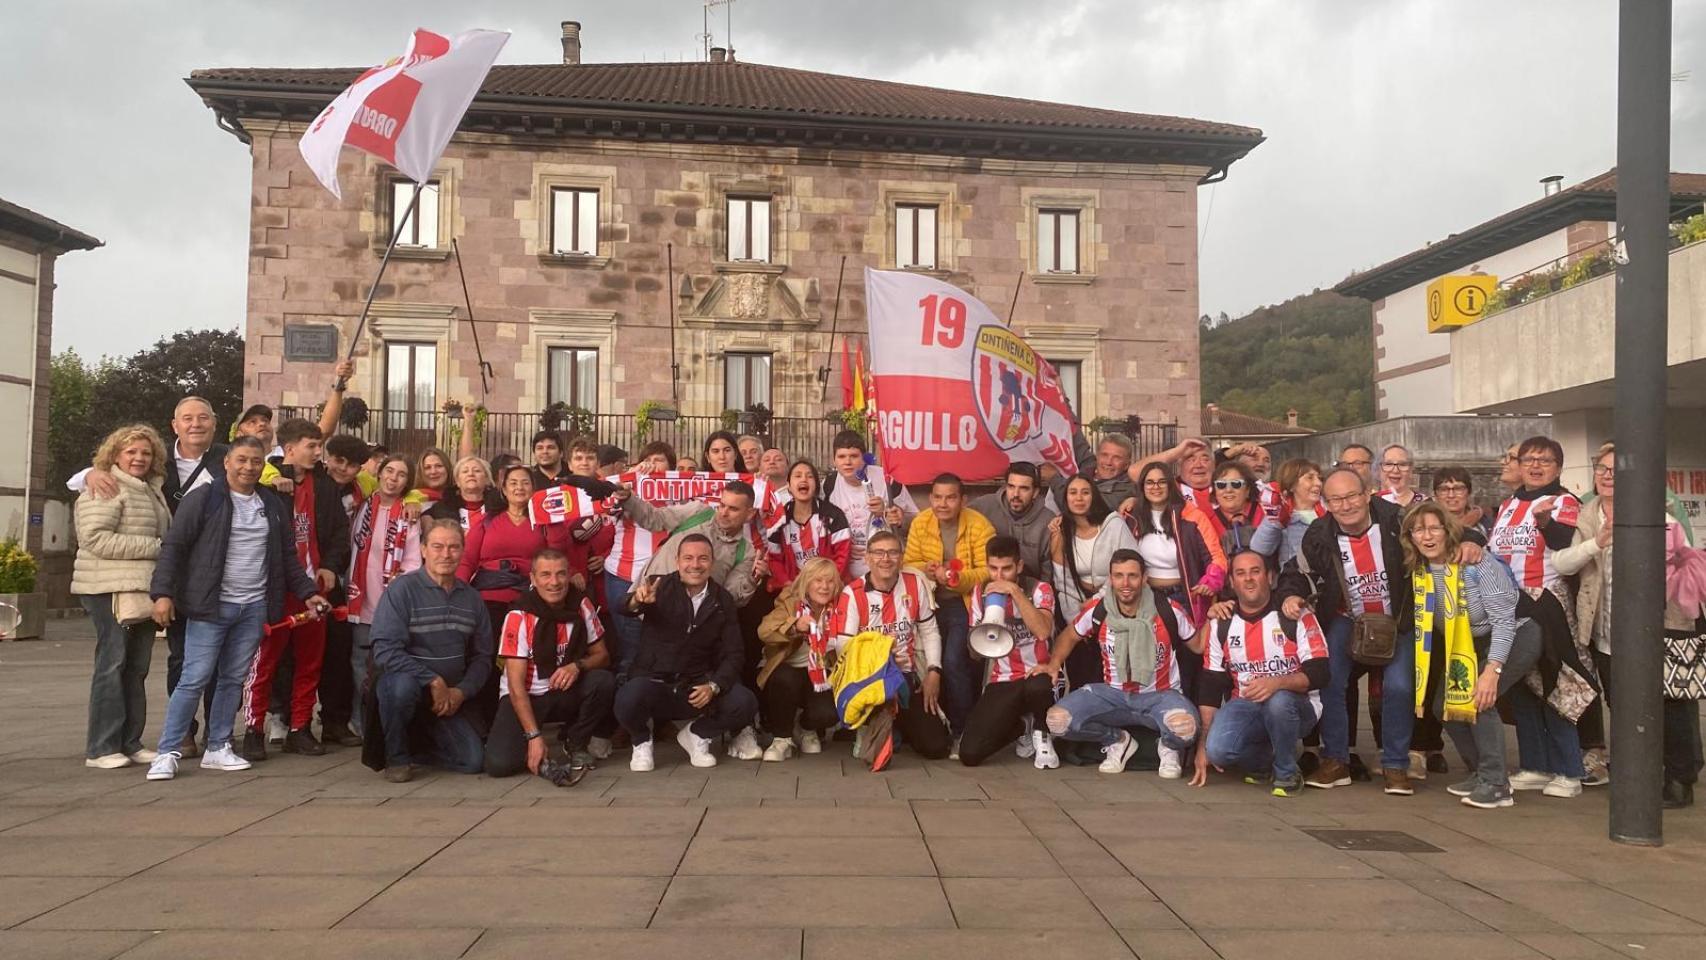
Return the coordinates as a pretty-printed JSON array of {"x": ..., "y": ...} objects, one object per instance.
[{"x": 1187, "y": 612}]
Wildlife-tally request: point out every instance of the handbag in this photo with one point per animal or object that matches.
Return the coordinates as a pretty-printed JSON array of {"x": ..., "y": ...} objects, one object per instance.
[
  {"x": 1685, "y": 663},
  {"x": 505, "y": 577},
  {"x": 1374, "y": 636}
]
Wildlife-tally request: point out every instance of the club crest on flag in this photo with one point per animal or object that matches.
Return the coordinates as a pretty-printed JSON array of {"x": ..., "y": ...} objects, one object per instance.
[{"x": 1006, "y": 374}]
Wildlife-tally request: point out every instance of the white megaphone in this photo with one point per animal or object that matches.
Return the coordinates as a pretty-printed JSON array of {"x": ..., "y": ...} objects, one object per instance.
[{"x": 992, "y": 639}]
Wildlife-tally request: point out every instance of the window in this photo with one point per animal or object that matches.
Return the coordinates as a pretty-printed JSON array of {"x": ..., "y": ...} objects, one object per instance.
[
  {"x": 1057, "y": 241},
  {"x": 411, "y": 394},
  {"x": 749, "y": 229},
  {"x": 573, "y": 377},
  {"x": 1069, "y": 371},
  {"x": 420, "y": 229},
  {"x": 915, "y": 236},
  {"x": 746, "y": 380},
  {"x": 574, "y": 222}
]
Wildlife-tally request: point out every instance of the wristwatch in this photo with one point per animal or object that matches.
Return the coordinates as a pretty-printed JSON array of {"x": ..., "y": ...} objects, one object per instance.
[
  {"x": 715, "y": 689},
  {"x": 533, "y": 734}
]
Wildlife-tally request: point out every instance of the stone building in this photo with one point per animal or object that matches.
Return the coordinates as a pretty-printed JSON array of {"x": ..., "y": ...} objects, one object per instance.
[{"x": 615, "y": 218}]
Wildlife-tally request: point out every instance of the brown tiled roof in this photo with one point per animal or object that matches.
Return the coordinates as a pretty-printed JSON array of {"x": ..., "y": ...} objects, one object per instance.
[
  {"x": 1592, "y": 199},
  {"x": 1234, "y": 424},
  {"x": 20, "y": 220}
]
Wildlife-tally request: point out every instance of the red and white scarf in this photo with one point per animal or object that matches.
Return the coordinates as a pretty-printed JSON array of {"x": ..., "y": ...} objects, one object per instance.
[
  {"x": 563, "y": 504},
  {"x": 394, "y": 537},
  {"x": 306, "y": 523},
  {"x": 817, "y": 646}
]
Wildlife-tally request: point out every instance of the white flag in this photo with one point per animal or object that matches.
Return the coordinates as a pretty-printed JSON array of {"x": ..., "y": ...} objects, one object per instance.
[{"x": 405, "y": 111}]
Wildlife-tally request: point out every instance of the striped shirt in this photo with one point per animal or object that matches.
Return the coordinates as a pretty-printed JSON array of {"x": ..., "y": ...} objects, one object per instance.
[
  {"x": 1092, "y": 624},
  {"x": 425, "y": 631},
  {"x": 1029, "y": 650},
  {"x": 1491, "y": 593},
  {"x": 518, "y": 638},
  {"x": 245, "y": 578}
]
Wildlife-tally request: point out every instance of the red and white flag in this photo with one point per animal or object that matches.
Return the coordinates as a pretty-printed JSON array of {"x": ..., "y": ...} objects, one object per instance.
[
  {"x": 404, "y": 111},
  {"x": 956, "y": 390}
]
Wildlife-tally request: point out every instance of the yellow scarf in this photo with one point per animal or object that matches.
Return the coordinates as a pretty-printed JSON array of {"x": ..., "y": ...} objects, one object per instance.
[{"x": 1459, "y": 642}]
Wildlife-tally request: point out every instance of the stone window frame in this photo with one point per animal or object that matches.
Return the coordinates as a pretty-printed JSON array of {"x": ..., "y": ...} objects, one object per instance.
[
  {"x": 727, "y": 186},
  {"x": 582, "y": 329},
  {"x": 447, "y": 175},
  {"x": 769, "y": 356},
  {"x": 537, "y": 211},
  {"x": 945, "y": 198},
  {"x": 391, "y": 321},
  {"x": 1038, "y": 199},
  {"x": 1079, "y": 342}
]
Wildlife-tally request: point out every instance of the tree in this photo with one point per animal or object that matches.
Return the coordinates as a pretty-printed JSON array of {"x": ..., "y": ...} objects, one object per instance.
[
  {"x": 71, "y": 438},
  {"x": 1314, "y": 353}
]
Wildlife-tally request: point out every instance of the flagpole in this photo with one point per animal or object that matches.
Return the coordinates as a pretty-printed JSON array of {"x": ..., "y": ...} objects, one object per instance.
[
  {"x": 671, "y": 294},
  {"x": 1017, "y": 286},
  {"x": 472, "y": 326},
  {"x": 396, "y": 235},
  {"x": 834, "y": 324}
]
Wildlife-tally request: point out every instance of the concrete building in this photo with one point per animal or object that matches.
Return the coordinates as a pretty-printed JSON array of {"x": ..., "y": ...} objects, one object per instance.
[
  {"x": 615, "y": 218},
  {"x": 30, "y": 244},
  {"x": 1225, "y": 428}
]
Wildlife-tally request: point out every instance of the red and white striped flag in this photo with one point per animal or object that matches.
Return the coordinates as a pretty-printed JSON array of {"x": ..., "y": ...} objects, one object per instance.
[{"x": 564, "y": 504}]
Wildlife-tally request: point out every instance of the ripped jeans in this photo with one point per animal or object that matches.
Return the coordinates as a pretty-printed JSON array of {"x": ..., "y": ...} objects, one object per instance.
[{"x": 1100, "y": 712}]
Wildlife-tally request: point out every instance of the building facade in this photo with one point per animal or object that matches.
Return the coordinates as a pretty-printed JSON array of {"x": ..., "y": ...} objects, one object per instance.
[{"x": 683, "y": 233}]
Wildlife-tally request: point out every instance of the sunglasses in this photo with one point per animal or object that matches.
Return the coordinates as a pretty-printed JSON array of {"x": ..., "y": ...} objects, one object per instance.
[{"x": 1228, "y": 484}]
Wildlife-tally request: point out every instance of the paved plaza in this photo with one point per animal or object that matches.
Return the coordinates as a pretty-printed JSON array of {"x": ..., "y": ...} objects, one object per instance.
[{"x": 812, "y": 858}]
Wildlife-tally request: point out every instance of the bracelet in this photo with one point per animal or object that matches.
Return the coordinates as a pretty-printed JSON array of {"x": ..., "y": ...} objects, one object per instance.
[{"x": 533, "y": 734}]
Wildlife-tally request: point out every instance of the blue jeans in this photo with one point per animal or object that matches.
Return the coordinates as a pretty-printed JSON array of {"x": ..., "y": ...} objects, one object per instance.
[
  {"x": 961, "y": 674},
  {"x": 175, "y": 668},
  {"x": 405, "y": 707},
  {"x": 1397, "y": 698},
  {"x": 223, "y": 648},
  {"x": 616, "y": 592},
  {"x": 1545, "y": 741},
  {"x": 1100, "y": 712},
  {"x": 1254, "y": 736}
]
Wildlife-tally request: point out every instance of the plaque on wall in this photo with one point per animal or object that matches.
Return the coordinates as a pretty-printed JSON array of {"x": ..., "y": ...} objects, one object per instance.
[{"x": 312, "y": 342}]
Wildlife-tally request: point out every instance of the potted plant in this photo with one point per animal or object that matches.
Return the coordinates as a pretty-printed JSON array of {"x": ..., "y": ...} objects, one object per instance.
[
  {"x": 756, "y": 419},
  {"x": 18, "y": 590},
  {"x": 730, "y": 419},
  {"x": 354, "y": 414}
]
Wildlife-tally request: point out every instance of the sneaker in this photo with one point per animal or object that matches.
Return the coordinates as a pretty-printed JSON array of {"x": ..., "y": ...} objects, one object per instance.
[
  {"x": 1258, "y": 779},
  {"x": 1464, "y": 789},
  {"x": 1563, "y": 788},
  {"x": 1115, "y": 755},
  {"x": 111, "y": 761},
  {"x": 1289, "y": 787},
  {"x": 1398, "y": 783},
  {"x": 1359, "y": 770},
  {"x": 1418, "y": 765},
  {"x": 1330, "y": 773},
  {"x": 780, "y": 749},
  {"x": 1307, "y": 761},
  {"x": 1023, "y": 748},
  {"x": 223, "y": 757},
  {"x": 254, "y": 747},
  {"x": 1597, "y": 762},
  {"x": 144, "y": 755},
  {"x": 641, "y": 760},
  {"x": 1530, "y": 780},
  {"x": 276, "y": 730},
  {"x": 1042, "y": 751},
  {"x": 1488, "y": 797},
  {"x": 600, "y": 748},
  {"x": 743, "y": 747},
  {"x": 1437, "y": 764},
  {"x": 954, "y": 751},
  {"x": 582, "y": 759},
  {"x": 810, "y": 742},
  {"x": 699, "y": 748},
  {"x": 1172, "y": 767},
  {"x": 340, "y": 734},
  {"x": 859, "y": 742},
  {"x": 1596, "y": 779},
  {"x": 302, "y": 741},
  {"x": 399, "y": 773},
  {"x": 165, "y": 766}
]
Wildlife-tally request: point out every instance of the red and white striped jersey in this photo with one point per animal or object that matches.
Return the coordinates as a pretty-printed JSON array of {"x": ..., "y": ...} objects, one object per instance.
[
  {"x": 1028, "y": 648},
  {"x": 1519, "y": 542},
  {"x": 1364, "y": 560},
  {"x": 632, "y": 548},
  {"x": 1092, "y": 624},
  {"x": 516, "y": 642},
  {"x": 1248, "y": 649},
  {"x": 803, "y": 541},
  {"x": 634, "y": 545},
  {"x": 897, "y": 612}
]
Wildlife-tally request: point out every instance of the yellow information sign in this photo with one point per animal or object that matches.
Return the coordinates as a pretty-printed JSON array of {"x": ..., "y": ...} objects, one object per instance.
[{"x": 1458, "y": 301}]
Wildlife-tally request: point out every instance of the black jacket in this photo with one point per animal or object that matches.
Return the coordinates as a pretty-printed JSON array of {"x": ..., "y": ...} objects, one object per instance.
[
  {"x": 1321, "y": 586},
  {"x": 331, "y": 523},
  {"x": 191, "y": 564},
  {"x": 212, "y": 464},
  {"x": 449, "y": 507},
  {"x": 677, "y": 646}
]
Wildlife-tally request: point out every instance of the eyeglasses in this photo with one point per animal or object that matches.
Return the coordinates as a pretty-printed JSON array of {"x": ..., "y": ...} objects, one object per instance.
[
  {"x": 1345, "y": 500},
  {"x": 1451, "y": 488},
  {"x": 1602, "y": 470},
  {"x": 1228, "y": 484},
  {"x": 1394, "y": 464},
  {"x": 1433, "y": 530},
  {"x": 1355, "y": 463},
  {"x": 882, "y": 553},
  {"x": 1536, "y": 461},
  {"x": 1155, "y": 483}
]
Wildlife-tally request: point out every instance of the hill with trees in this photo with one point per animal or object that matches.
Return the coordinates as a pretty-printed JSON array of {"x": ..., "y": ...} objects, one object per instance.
[{"x": 1314, "y": 352}]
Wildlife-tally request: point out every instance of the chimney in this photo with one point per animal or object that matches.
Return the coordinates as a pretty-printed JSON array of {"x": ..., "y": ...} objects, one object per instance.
[
  {"x": 1291, "y": 417},
  {"x": 1214, "y": 414},
  {"x": 1551, "y": 185},
  {"x": 719, "y": 54},
  {"x": 731, "y": 54},
  {"x": 571, "y": 41}
]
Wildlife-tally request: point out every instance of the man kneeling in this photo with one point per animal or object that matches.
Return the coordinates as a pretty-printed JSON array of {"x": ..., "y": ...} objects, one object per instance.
[
  {"x": 687, "y": 666},
  {"x": 1016, "y": 699},
  {"x": 1269, "y": 670},
  {"x": 1140, "y": 675},
  {"x": 554, "y": 658}
]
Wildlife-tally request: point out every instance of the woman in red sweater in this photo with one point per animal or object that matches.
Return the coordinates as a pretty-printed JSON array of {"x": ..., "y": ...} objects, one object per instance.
[{"x": 499, "y": 553}]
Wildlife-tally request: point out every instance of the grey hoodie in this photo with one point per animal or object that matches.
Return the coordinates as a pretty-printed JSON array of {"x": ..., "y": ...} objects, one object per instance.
[{"x": 1029, "y": 528}]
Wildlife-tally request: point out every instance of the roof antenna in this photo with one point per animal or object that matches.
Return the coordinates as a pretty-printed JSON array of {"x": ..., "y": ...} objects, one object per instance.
[{"x": 728, "y": 27}]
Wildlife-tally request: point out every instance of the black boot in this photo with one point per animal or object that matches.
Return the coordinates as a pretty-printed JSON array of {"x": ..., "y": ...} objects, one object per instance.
[
  {"x": 340, "y": 734},
  {"x": 254, "y": 746},
  {"x": 302, "y": 741},
  {"x": 1678, "y": 795}
]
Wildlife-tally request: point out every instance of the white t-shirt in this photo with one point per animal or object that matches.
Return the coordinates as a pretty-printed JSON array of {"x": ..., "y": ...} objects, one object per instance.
[
  {"x": 1160, "y": 555},
  {"x": 245, "y": 579}
]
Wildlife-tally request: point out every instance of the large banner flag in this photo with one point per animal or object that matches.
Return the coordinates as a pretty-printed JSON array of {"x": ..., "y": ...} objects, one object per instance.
[
  {"x": 404, "y": 111},
  {"x": 955, "y": 389},
  {"x": 634, "y": 546}
]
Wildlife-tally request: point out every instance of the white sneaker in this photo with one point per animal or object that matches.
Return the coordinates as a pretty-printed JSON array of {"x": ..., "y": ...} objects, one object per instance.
[
  {"x": 1023, "y": 747},
  {"x": 275, "y": 729},
  {"x": 1042, "y": 747},
  {"x": 1530, "y": 780},
  {"x": 145, "y": 755},
  {"x": 809, "y": 743},
  {"x": 223, "y": 758},
  {"x": 743, "y": 747},
  {"x": 1172, "y": 767},
  {"x": 599, "y": 747},
  {"x": 954, "y": 751},
  {"x": 1115, "y": 755},
  {"x": 1563, "y": 788},
  {"x": 699, "y": 748},
  {"x": 111, "y": 761},
  {"x": 165, "y": 766},
  {"x": 859, "y": 742},
  {"x": 780, "y": 749},
  {"x": 1418, "y": 765},
  {"x": 641, "y": 761}
]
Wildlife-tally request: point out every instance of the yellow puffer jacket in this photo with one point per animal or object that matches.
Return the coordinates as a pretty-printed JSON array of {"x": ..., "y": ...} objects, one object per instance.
[{"x": 924, "y": 546}]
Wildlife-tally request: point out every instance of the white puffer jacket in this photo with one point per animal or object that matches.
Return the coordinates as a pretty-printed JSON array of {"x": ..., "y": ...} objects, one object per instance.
[{"x": 118, "y": 538}]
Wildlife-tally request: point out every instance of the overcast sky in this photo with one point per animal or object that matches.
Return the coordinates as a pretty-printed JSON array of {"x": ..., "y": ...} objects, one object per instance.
[{"x": 1389, "y": 123}]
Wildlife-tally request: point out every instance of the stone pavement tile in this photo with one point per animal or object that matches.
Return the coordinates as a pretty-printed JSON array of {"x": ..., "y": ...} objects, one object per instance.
[
  {"x": 759, "y": 787},
  {"x": 337, "y": 944},
  {"x": 701, "y": 902},
  {"x": 185, "y": 791},
  {"x": 628, "y": 801},
  {"x": 1027, "y": 904},
  {"x": 658, "y": 784},
  {"x": 1377, "y": 904},
  {"x": 937, "y": 788},
  {"x": 266, "y": 856},
  {"x": 1049, "y": 822},
  {"x": 1168, "y": 945},
  {"x": 550, "y": 853},
  {"x": 478, "y": 788},
  {"x": 1401, "y": 866},
  {"x": 1569, "y": 946},
  {"x": 1008, "y": 855},
  {"x": 1589, "y": 908},
  {"x": 1083, "y": 857},
  {"x": 249, "y": 903},
  {"x": 890, "y": 820},
  {"x": 966, "y": 820},
  {"x": 857, "y": 785},
  {"x": 24, "y": 897},
  {"x": 640, "y": 944},
  {"x": 1475, "y": 862},
  {"x": 965, "y": 944},
  {"x": 1120, "y": 788},
  {"x": 211, "y": 821},
  {"x": 1129, "y": 905},
  {"x": 1655, "y": 947},
  {"x": 332, "y": 820},
  {"x": 98, "y": 856},
  {"x": 1301, "y": 945},
  {"x": 594, "y": 822},
  {"x": 1151, "y": 820},
  {"x": 804, "y": 856},
  {"x": 365, "y": 784},
  {"x": 12, "y": 816},
  {"x": 1501, "y": 915},
  {"x": 415, "y": 902},
  {"x": 1616, "y": 863},
  {"x": 1684, "y": 898},
  {"x": 1246, "y": 858},
  {"x": 56, "y": 945}
]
